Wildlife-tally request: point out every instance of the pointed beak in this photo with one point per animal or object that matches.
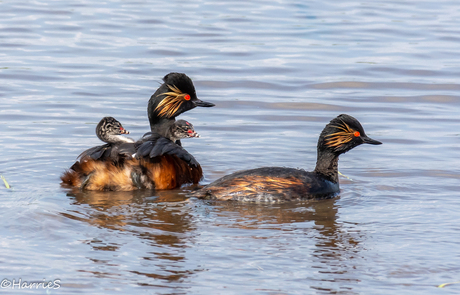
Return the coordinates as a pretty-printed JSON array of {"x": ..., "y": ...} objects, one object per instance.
[
  {"x": 124, "y": 131},
  {"x": 200, "y": 103},
  {"x": 370, "y": 140}
]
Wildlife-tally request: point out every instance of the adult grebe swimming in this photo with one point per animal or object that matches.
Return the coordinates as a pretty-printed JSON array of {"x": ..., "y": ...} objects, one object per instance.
[{"x": 272, "y": 184}]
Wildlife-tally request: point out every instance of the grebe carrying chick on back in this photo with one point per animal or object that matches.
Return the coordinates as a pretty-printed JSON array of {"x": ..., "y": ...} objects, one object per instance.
[
  {"x": 152, "y": 168},
  {"x": 119, "y": 150}
]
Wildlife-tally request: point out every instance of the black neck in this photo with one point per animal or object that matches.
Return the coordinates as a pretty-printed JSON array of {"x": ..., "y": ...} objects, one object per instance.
[
  {"x": 159, "y": 124},
  {"x": 327, "y": 165},
  {"x": 154, "y": 119}
]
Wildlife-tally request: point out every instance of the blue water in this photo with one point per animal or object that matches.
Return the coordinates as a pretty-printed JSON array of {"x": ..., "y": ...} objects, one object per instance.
[{"x": 277, "y": 71}]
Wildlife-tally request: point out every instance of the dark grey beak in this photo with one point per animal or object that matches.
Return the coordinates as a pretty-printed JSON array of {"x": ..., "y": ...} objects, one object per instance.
[
  {"x": 370, "y": 140},
  {"x": 200, "y": 103}
]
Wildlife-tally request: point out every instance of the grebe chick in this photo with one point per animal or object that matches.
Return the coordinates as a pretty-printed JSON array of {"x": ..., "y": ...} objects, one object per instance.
[
  {"x": 165, "y": 143},
  {"x": 179, "y": 130},
  {"x": 175, "y": 130},
  {"x": 108, "y": 130},
  {"x": 274, "y": 184}
]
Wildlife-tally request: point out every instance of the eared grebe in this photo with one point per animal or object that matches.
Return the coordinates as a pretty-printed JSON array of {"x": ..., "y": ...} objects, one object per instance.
[
  {"x": 174, "y": 97},
  {"x": 273, "y": 184},
  {"x": 169, "y": 170}
]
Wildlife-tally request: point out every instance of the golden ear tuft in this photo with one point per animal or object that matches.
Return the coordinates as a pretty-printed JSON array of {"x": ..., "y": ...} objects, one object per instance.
[
  {"x": 342, "y": 137},
  {"x": 172, "y": 102}
]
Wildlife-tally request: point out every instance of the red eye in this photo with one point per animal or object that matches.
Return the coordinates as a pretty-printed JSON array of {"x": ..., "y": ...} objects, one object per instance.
[
  {"x": 356, "y": 134},
  {"x": 187, "y": 97}
]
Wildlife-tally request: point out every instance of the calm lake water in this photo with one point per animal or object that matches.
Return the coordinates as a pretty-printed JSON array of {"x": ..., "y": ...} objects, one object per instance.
[{"x": 277, "y": 71}]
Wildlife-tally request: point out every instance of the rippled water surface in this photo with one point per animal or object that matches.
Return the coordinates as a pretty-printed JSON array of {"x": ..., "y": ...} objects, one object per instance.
[{"x": 277, "y": 71}]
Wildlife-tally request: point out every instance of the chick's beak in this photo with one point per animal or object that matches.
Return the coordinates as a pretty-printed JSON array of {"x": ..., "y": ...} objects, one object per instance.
[{"x": 193, "y": 134}]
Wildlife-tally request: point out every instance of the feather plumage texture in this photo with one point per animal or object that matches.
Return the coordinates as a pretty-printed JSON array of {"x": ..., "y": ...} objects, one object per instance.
[
  {"x": 275, "y": 184},
  {"x": 159, "y": 163},
  {"x": 156, "y": 146},
  {"x": 172, "y": 101}
]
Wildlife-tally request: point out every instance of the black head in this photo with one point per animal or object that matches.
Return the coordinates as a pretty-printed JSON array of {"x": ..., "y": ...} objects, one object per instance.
[
  {"x": 109, "y": 126},
  {"x": 342, "y": 134},
  {"x": 175, "y": 96},
  {"x": 183, "y": 129}
]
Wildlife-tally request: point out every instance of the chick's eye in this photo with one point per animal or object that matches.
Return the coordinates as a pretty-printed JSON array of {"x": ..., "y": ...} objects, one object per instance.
[{"x": 356, "y": 134}]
